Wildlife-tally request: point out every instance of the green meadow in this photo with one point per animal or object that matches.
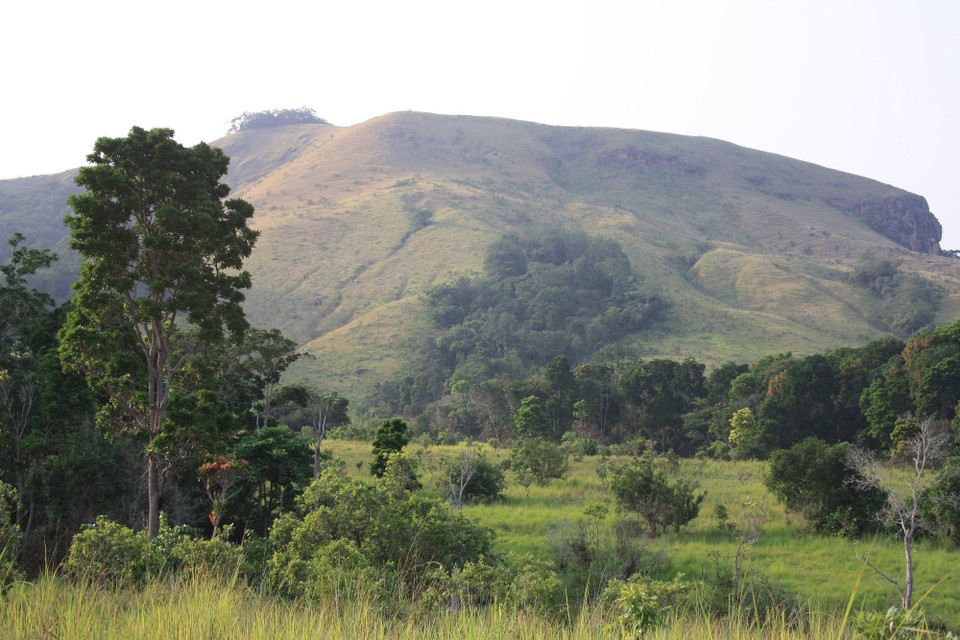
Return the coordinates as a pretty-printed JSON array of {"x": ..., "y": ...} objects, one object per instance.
[
  {"x": 822, "y": 573},
  {"x": 821, "y": 570}
]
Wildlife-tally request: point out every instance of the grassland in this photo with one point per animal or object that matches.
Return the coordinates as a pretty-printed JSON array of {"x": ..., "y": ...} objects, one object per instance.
[
  {"x": 199, "y": 608},
  {"x": 750, "y": 249},
  {"x": 822, "y": 570}
]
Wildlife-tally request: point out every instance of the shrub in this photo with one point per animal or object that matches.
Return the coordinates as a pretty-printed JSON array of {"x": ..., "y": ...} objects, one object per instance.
[
  {"x": 10, "y": 537},
  {"x": 642, "y": 604},
  {"x": 537, "y": 459},
  {"x": 111, "y": 554},
  {"x": 343, "y": 522},
  {"x": 645, "y": 490},
  {"x": 389, "y": 438},
  {"x": 812, "y": 478},
  {"x": 895, "y": 624},
  {"x": 486, "y": 483},
  {"x": 578, "y": 445}
]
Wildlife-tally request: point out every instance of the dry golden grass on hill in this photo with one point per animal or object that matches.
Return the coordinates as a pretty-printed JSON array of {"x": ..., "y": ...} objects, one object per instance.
[{"x": 750, "y": 249}]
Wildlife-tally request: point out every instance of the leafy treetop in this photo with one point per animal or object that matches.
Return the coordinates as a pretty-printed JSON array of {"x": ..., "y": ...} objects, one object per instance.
[{"x": 274, "y": 118}]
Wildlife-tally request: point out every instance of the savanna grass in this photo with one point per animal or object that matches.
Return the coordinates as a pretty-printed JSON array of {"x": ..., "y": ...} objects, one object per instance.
[
  {"x": 821, "y": 569},
  {"x": 199, "y": 607}
]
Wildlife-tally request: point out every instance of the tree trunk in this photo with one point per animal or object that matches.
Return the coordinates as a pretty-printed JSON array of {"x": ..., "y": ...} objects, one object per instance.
[
  {"x": 320, "y": 432},
  {"x": 153, "y": 496},
  {"x": 908, "y": 572}
]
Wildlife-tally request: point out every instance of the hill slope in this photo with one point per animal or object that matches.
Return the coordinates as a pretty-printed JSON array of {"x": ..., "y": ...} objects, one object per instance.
[{"x": 751, "y": 250}]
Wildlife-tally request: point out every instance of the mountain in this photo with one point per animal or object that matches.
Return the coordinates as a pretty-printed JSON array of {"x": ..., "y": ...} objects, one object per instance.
[{"x": 752, "y": 252}]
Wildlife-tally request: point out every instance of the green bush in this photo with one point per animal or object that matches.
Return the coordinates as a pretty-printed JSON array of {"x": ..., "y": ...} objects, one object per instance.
[
  {"x": 645, "y": 490},
  {"x": 486, "y": 483},
  {"x": 10, "y": 537},
  {"x": 895, "y": 624},
  {"x": 642, "y": 604},
  {"x": 343, "y": 523},
  {"x": 389, "y": 438},
  {"x": 536, "y": 459},
  {"x": 812, "y": 478},
  {"x": 578, "y": 445},
  {"x": 111, "y": 554}
]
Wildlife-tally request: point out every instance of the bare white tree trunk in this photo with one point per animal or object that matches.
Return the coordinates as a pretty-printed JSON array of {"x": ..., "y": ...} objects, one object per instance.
[
  {"x": 927, "y": 449},
  {"x": 456, "y": 488},
  {"x": 319, "y": 432}
]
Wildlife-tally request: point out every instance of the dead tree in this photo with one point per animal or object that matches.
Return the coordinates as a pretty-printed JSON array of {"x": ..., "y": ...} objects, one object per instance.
[
  {"x": 927, "y": 451},
  {"x": 457, "y": 480}
]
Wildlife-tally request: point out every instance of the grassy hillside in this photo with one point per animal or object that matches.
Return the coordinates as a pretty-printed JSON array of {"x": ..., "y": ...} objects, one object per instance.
[{"x": 750, "y": 249}]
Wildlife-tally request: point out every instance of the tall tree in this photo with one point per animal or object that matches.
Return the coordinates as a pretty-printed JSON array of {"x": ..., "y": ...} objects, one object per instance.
[
  {"x": 163, "y": 254},
  {"x": 389, "y": 438},
  {"x": 268, "y": 356},
  {"x": 24, "y": 337},
  {"x": 331, "y": 411}
]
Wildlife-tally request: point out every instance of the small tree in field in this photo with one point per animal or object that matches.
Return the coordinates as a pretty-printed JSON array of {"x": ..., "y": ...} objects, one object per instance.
[
  {"x": 471, "y": 477},
  {"x": 927, "y": 450},
  {"x": 814, "y": 478},
  {"x": 645, "y": 490},
  {"x": 390, "y": 437},
  {"x": 537, "y": 459}
]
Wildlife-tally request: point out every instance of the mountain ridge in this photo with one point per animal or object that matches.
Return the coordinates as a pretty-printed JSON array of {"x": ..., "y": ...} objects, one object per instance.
[{"x": 752, "y": 249}]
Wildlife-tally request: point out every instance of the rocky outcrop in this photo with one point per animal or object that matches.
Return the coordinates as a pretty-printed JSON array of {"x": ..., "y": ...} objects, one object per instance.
[{"x": 905, "y": 219}]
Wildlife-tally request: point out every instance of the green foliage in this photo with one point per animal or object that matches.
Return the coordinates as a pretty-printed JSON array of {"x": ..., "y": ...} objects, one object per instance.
[
  {"x": 813, "y": 478},
  {"x": 487, "y": 481},
  {"x": 389, "y": 438},
  {"x": 923, "y": 380},
  {"x": 801, "y": 401},
  {"x": 343, "y": 523},
  {"x": 536, "y": 459},
  {"x": 643, "y": 489},
  {"x": 110, "y": 554},
  {"x": 530, "y": 420},
  {"x": 557, "y": 292},
  {"x": 274, "y": 118},
  {"x": 279, "y": 467},
  {"x": 894, "y": 624},
  {"x": 578, "y": 445},
  {"x": 939, "y": 511},
  {"x": 10, "y": 537},
  {"x": 25, "y": 339},
  {"x": 746, "y": 436},
  {"x": 162, "y": 249},
  {"x": 643, "y": 604},
  {"x": 909, "y": 301},
  {"x": 885, "y": 401},
  {"x": 659, "y": 393}
]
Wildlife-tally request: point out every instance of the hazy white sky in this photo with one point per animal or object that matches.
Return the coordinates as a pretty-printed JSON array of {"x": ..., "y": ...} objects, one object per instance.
[{"x": 870, "y": 87}]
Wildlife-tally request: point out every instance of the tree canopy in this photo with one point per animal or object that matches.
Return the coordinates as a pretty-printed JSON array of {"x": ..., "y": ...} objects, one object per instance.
[
  {"x": 274, "y": 118},
  {"x": 162, "y": 273}
]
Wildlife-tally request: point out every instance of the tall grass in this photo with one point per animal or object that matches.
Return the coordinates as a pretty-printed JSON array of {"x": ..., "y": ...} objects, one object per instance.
[
  {"x": 200, "y": 607},
  {"x": 822, "y": 569}
]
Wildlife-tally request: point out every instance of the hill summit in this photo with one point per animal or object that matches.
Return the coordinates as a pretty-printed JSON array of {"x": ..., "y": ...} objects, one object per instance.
[{"x": 750, "y": 252}]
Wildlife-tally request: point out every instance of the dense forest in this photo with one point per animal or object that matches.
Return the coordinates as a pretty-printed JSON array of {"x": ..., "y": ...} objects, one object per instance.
[{"x": 147, "y": 429}]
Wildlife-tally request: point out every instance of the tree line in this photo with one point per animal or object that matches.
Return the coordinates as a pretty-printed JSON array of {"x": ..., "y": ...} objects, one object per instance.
[{"x": 150, "y": 372}]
